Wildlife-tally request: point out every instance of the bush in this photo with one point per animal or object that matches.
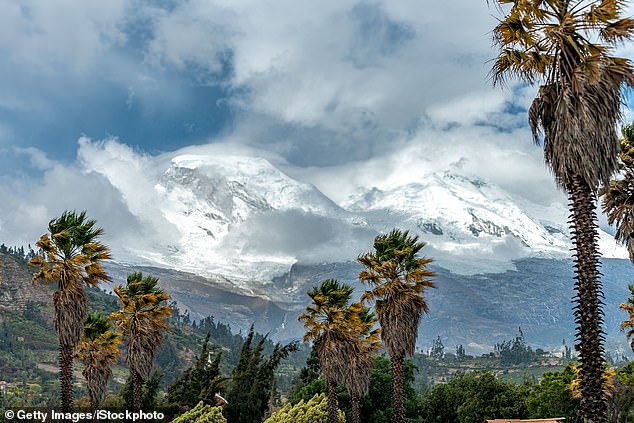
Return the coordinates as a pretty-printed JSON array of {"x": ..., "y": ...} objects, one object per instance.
[
  {"x": 202, "y": 414},
  {"x": 313, "y": 411}
]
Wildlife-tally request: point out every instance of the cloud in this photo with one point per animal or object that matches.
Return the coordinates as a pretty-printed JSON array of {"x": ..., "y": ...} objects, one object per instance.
[
  {"x": 344, "y": 94},
  {"x": 28, "y": 205},
  {"x": 307, "y": 237},
  {"x": 43, "y": 37}
]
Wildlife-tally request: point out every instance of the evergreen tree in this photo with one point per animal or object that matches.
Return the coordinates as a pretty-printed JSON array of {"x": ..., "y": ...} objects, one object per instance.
[
  {"x": 200, "y": 382},
  {"x": 437, "y": 349},
  {"x": 252, "y": 380},
  {"x": 460, "y": 353}
]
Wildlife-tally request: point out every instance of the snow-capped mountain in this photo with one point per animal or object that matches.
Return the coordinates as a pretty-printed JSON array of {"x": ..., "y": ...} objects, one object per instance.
[{"x": 217, "y": 202}]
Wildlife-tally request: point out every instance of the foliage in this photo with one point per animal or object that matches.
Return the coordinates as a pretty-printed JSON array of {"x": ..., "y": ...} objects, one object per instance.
[
  {"x": 313, "y": 411},
  {"x": 200, "y": 382},
  {"x": 72, "y": 257},
  {"x": 553, "y": 396},
  {"x": 202, "y": 413},
  {"x": 515, "y": 351},
  {"x": 628, "y": 324},
  {"x": 397, "y": 278},
  {"x": 437, "y": 349},
  {"x": 621, "y": 401},
  {"x": 474, "y": 397},
  {"x": 618, "y": 196},
  {"x": 149, "y": 392},
  {"x": 98, "y": 350},
  {"x": 377, "y": 405},
  {"x": 142, "y": 320},
  {"x": 336, "y": 327},
  {"x": 307, "y": 383},
  {"x": 568, "y": 45},
  {"x": 253, "y": 381}
]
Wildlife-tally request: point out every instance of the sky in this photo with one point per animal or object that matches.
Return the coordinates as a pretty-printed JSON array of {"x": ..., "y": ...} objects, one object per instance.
[{"x": 343, "y": 94}]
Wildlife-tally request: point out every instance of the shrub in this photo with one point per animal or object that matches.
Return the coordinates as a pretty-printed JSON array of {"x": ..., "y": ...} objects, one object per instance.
[
  {"x": 313, "y": 411},
  {"x": 202, "y": 414}
]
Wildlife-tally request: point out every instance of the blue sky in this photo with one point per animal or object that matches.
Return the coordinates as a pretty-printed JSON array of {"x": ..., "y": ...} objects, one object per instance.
[{"x": 318, "y": 87}]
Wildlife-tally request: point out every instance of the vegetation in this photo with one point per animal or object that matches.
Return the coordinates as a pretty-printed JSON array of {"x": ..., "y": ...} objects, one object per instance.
[
  {"x": 252, "y": 381},
  {"x": 335, "y": 326},
  {"x": 72, "y": 257},
  {"x": 618, "y": 198},
  {"x": 98, "y": 351},
  {"x": 398, "y": 279},
  {"x": 202, "y": 413},
  {"x": 142, "y": 320},
  {"x": 566, "y": 46},
  {"x": 200, "y": 382},
  {"x": 313, "y": 411}
]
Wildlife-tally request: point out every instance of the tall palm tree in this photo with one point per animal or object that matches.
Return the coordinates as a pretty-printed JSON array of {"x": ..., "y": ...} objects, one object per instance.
[
  {"x": 72, "y": 257},
  {"x": 98, "y": 351},
  {"x": 361, "y": 364},
  {"x": 332, "y": 323},
  {"x": 565, "y": 45},
  {"x": 142, "y": 320},
  {"x": 618, "y": 196},
  {"x": 397, "y": 278}
]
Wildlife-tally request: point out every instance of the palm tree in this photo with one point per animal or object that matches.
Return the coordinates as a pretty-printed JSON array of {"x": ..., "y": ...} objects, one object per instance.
[
  {"x": 629, "y": 323},
  {"x": 360, "y": 365},
  {"x": 618, "y": 197},
  {"x": 72, "y": 257},
  {"x": 398, "y": 279},
  {"x": 565, "y": 45},
  {"x": 332, "y": 323},
  {"x": 98, "y": 351},
  {"x": 142, "y": 319}
]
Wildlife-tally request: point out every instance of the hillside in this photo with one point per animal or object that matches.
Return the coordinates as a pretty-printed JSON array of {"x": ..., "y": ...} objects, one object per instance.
[{"x": 28, "y": 345}]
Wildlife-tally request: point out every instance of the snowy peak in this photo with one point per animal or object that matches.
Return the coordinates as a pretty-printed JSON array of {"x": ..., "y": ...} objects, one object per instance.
[
  {"x": 258, "y": 176},
  {"x": 461, "y": 214},
  {"x": 243, "y": 218}
]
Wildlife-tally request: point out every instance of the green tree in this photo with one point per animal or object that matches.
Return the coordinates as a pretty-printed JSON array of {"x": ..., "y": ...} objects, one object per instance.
[
  {"x": 565, "y": 45},
  {"x": 376, "y": 406},
  {"x": 398, "y": 279},
  {"x": 252, "y": 380},
  {"x": 553, "y": 396},
  {"x": 149, "y": 392},
  {"x": 98, "y": 350},
  {"x": 200, "y": 382},
  {"x": 142, "y": 320},
  {"x": 332, "y": 323},
  {"x": 473, "y": 398},
  {"x": 437, "y": 349},
  {"x": 73, "y": 257}
]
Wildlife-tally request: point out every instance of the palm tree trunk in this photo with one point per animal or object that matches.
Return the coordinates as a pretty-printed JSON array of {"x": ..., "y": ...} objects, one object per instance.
[
  {"x": 398, "y": 411},
  {"x": 588, "y": 314},
  {"x": 356, "y": 408},
  {"x": 66, "y": 377},
  {"x": 137, "y": 391},
  {"x": 332, "y": 402}
]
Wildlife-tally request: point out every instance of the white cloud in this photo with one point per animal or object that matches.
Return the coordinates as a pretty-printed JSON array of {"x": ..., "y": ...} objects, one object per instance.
[{"x": 40, "y": 36}]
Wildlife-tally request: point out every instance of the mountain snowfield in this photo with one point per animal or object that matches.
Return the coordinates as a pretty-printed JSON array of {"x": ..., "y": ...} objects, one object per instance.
[{"x": 221, "y": 203}]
